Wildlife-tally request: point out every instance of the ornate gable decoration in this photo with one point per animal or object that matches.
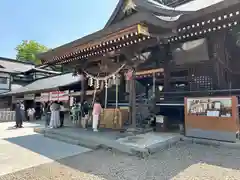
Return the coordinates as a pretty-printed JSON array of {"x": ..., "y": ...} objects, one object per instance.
[{"x": 129, "y": 6}]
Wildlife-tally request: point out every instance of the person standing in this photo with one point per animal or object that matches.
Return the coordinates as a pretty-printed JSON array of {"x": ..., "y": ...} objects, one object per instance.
[
  {"x": 97, "y": 108},
  {"x": 22, "y": 111},
  {"x": 18, "y": 115},
  {"x": 85, "y": 114},
  {"x": 47, "y": 113},
  {"x": 31, "y": 113},
  {"x": 55, "y": 115},
  {"x": 62, "y": 110}
]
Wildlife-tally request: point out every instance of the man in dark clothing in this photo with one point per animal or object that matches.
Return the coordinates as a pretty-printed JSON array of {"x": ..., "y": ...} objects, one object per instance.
[
  {"x": 47, "y": 113},
  {"x": 85, "y": 114},
  {"x": 18, "y": 116}
]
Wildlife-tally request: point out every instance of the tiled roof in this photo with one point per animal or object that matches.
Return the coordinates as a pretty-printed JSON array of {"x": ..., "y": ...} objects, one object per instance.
[
  {"x": 196, "y": 5},
  {"x": 12, "y": 65},
  {"x": 8, "y": 71},
  {"x": 46, "y": 84}
]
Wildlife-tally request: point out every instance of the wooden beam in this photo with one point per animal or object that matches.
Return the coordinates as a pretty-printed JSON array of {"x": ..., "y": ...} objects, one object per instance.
[{"x": 152, "y": 71}]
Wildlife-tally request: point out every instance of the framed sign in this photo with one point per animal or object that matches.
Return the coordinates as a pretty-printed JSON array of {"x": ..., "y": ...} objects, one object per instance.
[{"x": 210, "y": 106}]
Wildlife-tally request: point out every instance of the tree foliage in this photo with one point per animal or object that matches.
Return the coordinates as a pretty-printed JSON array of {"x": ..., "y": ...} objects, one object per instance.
[{"x": 27, "y": 51}]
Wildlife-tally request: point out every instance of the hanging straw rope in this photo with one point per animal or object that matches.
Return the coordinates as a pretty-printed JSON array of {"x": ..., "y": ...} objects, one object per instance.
[{"x": 106, "y": 77}]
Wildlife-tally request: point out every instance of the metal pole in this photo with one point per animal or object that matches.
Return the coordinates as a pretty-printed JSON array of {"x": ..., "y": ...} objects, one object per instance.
[{"x": 106, "y": 96}]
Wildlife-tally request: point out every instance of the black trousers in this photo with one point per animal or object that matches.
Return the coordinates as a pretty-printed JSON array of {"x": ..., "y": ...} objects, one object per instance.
[
  {"x": 61, "y": 118},
  {"x": 19, "y": 121},
  {"x": 47, "y": 118}
]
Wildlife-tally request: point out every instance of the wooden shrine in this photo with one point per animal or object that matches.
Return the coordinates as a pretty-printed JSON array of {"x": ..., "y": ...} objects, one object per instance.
[{"x": 195, "y": 53}]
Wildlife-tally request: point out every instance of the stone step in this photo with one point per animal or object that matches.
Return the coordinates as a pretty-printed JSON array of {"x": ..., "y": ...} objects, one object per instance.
[
  {"x": 72, "y": 140},
  {"x": 89, "y": 143}
]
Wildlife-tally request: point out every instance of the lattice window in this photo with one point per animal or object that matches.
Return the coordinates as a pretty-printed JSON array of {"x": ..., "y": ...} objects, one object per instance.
[{"x": 199, "y": 83}]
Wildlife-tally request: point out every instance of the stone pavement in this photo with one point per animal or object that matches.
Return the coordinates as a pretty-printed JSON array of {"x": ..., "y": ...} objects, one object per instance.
[
  {"x": 23, "y": 148},
  {"x": 181, "y": 162},
  {"x": 140, "y": 145}
]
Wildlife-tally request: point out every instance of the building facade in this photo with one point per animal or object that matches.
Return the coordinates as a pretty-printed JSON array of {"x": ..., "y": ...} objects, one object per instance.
[{"x": 195, "y": 46}]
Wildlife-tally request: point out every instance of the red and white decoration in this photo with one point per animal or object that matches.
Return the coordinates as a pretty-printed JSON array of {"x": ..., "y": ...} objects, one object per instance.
[
  {"x": 44, "y": 97},
  {"x": 59, "y": 96},
  {"x": 54, "y": 96}
]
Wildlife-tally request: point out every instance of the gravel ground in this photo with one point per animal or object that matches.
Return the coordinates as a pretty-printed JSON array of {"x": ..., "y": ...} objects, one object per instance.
[{"x": 181, "y": 162}]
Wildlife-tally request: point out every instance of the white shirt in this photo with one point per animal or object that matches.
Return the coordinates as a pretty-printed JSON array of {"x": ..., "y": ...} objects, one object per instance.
[
  {"x": 62, "y": 108},
  {"x": 31, "y": 111},
  {"x": 22, "y": 107}
]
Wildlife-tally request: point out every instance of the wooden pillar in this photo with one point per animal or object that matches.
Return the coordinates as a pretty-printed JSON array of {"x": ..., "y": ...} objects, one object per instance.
[
  {"x": 117, "y": 81},
  {"x": 83, "y": 90},
  {"x": 133, "y": 99},
  {"x": 106, "y": 94},
  {"x": 129, "y": 85},
  {"x": 154, "y": 85},
  {"x": 167, "y": 68}
]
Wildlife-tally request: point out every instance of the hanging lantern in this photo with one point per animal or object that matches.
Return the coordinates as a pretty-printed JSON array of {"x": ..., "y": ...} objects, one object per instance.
[
  {"x": 110, "y": 82},
  {"x": 106, "y": 83},
  {"x": 117, "y": 81},
  {"x": 90, "y": 81},
  {"x": 97, "y": 84},
  {"x": 114, "y": 79}
]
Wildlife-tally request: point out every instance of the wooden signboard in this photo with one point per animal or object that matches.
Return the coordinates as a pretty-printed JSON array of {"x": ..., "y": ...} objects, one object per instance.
[{"x": 212, "y": 118}]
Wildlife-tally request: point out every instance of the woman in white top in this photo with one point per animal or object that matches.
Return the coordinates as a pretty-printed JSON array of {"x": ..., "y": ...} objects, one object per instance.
[{"x": 55, "y": 115}]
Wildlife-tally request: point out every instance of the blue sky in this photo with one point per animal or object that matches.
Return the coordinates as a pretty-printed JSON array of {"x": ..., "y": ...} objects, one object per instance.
[{"x": 49, "y": 22}]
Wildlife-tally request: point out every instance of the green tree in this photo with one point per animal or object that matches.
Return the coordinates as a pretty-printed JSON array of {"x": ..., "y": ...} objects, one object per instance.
[{"x": 27, "y": 51}]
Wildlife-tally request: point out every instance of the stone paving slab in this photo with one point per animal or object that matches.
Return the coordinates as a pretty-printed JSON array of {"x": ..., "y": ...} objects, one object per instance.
[
  {"x": 23, "y": 148},
  {"x": 184, "y": 161},
  {"x": 140, "y": 145},
  {"x": 212, "y": 142},
  {"x": 146, "y": 140}
]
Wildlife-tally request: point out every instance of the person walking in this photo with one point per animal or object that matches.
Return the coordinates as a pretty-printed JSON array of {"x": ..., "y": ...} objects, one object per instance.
[
  {"x": 55, "y": 115},
  {"x": 97, "y": 108}
]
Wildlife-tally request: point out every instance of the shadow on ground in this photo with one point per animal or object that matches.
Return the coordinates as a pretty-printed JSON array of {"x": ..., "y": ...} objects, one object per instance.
[
  {"x": 168, "y": 164},
  {"x": 46, "y": 147}
]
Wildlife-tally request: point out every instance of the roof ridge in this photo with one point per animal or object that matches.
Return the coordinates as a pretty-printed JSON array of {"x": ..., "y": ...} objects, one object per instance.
[{"x": 16, "y": 61}]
